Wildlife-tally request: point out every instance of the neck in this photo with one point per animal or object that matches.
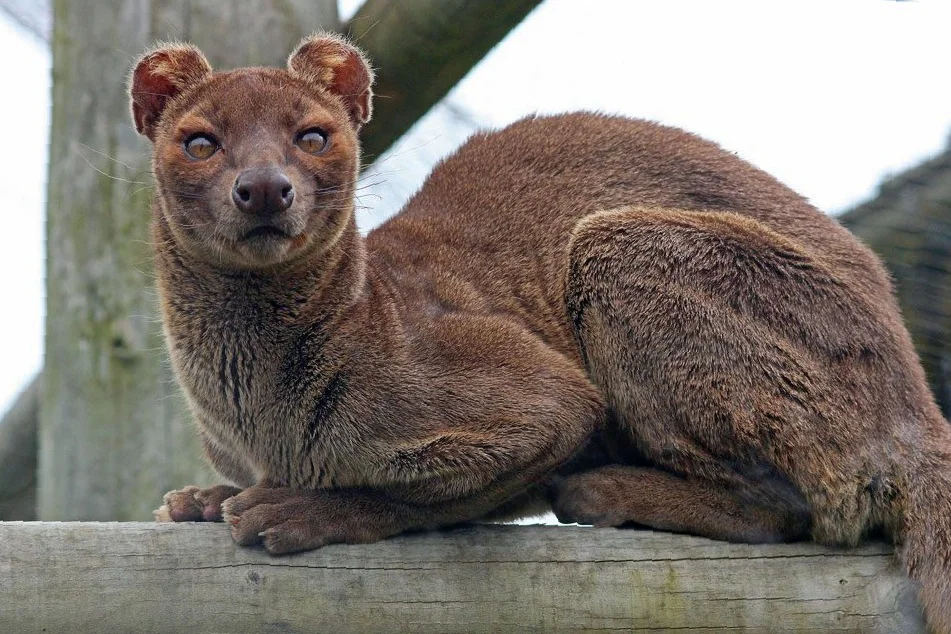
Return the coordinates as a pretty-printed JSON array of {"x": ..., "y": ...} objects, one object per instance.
[
  {"x": 259, "y": 354},
  {"x": 315, "y": 287},
  {"x": 242, "y": 343}
]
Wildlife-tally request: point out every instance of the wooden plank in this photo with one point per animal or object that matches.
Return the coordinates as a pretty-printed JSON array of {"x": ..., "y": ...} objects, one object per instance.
[{"x": 138, "y": 577}]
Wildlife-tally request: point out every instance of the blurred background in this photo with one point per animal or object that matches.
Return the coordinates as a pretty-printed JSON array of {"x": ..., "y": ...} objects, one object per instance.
[{"x": 846, "y": 101}]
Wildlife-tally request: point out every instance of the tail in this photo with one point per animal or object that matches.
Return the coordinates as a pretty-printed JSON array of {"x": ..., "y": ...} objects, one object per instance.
[{"x": 925, "y": 535}]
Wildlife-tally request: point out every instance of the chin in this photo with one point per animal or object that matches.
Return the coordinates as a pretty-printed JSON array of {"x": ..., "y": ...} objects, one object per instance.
[
  {"x": 267, "y": 250},
  {"x": 262, "y": 252}
]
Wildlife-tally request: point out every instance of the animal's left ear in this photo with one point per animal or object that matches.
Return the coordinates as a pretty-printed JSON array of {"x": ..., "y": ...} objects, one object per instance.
[{"x": 342, "y": 69}]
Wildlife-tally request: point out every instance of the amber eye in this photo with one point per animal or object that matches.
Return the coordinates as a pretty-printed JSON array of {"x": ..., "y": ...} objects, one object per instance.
[
  {"x": 201, "y": 146},
  {"x": 312, "y": 141}
]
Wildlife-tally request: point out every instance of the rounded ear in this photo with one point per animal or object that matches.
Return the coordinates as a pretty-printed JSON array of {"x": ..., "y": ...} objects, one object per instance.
[
  {"x": 158, "y": 77},
  {"x": 340, "y": 68}
]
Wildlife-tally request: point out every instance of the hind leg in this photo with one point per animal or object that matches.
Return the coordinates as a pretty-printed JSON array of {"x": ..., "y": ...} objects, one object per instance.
[
  {"x": 727, "y": 352},
  {"x": 616, "y": 495}
]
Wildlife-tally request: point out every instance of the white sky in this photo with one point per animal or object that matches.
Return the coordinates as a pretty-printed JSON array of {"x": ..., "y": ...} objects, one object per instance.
[{"x": 828, "y": 95}]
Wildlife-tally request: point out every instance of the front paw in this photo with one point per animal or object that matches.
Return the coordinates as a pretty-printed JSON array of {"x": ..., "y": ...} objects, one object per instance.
[
  {"x": 193, "y": 504},
  {"x": 288, "y": 520}
]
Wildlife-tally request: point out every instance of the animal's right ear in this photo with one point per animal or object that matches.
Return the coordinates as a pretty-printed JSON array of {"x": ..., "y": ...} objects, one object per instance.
[{"x": 158, "y": 77}]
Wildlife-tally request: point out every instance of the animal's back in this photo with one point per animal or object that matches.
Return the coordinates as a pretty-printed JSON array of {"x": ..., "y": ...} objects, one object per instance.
[{"x": 490, "y": 228}]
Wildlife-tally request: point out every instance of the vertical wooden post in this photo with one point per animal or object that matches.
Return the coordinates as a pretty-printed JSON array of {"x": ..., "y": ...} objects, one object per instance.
[{"x": 114, "y": 431}]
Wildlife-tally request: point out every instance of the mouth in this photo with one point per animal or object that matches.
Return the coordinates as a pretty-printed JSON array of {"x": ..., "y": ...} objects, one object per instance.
[
  {"x": 268, "y": 244},
  {"x": 265, "y": 232}
]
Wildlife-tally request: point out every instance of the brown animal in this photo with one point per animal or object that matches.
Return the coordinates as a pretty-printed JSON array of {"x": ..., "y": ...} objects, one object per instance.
[{"x": 608, "y": 316}]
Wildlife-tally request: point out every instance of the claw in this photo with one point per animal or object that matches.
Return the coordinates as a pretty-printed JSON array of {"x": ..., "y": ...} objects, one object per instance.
[{"x": 161, "y": 514}]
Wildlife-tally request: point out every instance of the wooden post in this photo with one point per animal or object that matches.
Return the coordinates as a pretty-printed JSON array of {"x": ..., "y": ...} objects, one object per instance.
[
  {"x": 87, "y": 577},
  {"x": 114, "y": 432}
]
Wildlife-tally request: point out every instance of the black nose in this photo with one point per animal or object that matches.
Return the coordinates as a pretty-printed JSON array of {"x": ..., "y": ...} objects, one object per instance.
[{"x": 262, "y": 191}]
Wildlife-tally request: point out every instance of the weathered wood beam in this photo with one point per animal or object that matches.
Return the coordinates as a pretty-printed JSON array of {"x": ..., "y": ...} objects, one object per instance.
[
  {"x": 91, "y": 577},
  {"x": 421, "y": 50},
  {"x": 18, "y": 455}
]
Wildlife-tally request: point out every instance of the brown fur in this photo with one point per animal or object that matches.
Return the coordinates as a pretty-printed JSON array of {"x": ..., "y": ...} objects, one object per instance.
[{"x": 611, "y": 312}]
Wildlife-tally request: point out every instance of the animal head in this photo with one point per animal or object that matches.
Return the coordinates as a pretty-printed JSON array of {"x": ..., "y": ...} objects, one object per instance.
[{"x": 254, "y": 167}]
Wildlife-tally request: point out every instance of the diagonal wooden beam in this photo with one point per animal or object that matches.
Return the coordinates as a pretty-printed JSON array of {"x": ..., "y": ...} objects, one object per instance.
[
  {"x": 421, "y": 50},
  {"x": 34, "y": 16},
  {"x": 18, "y": 442}
]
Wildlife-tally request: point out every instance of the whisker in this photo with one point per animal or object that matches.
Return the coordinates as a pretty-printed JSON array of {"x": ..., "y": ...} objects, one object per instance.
[
  {"x": 107, "y": 175},
  {"x": 106, "y": 156},
  {"x": 399, "y": 151}
]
